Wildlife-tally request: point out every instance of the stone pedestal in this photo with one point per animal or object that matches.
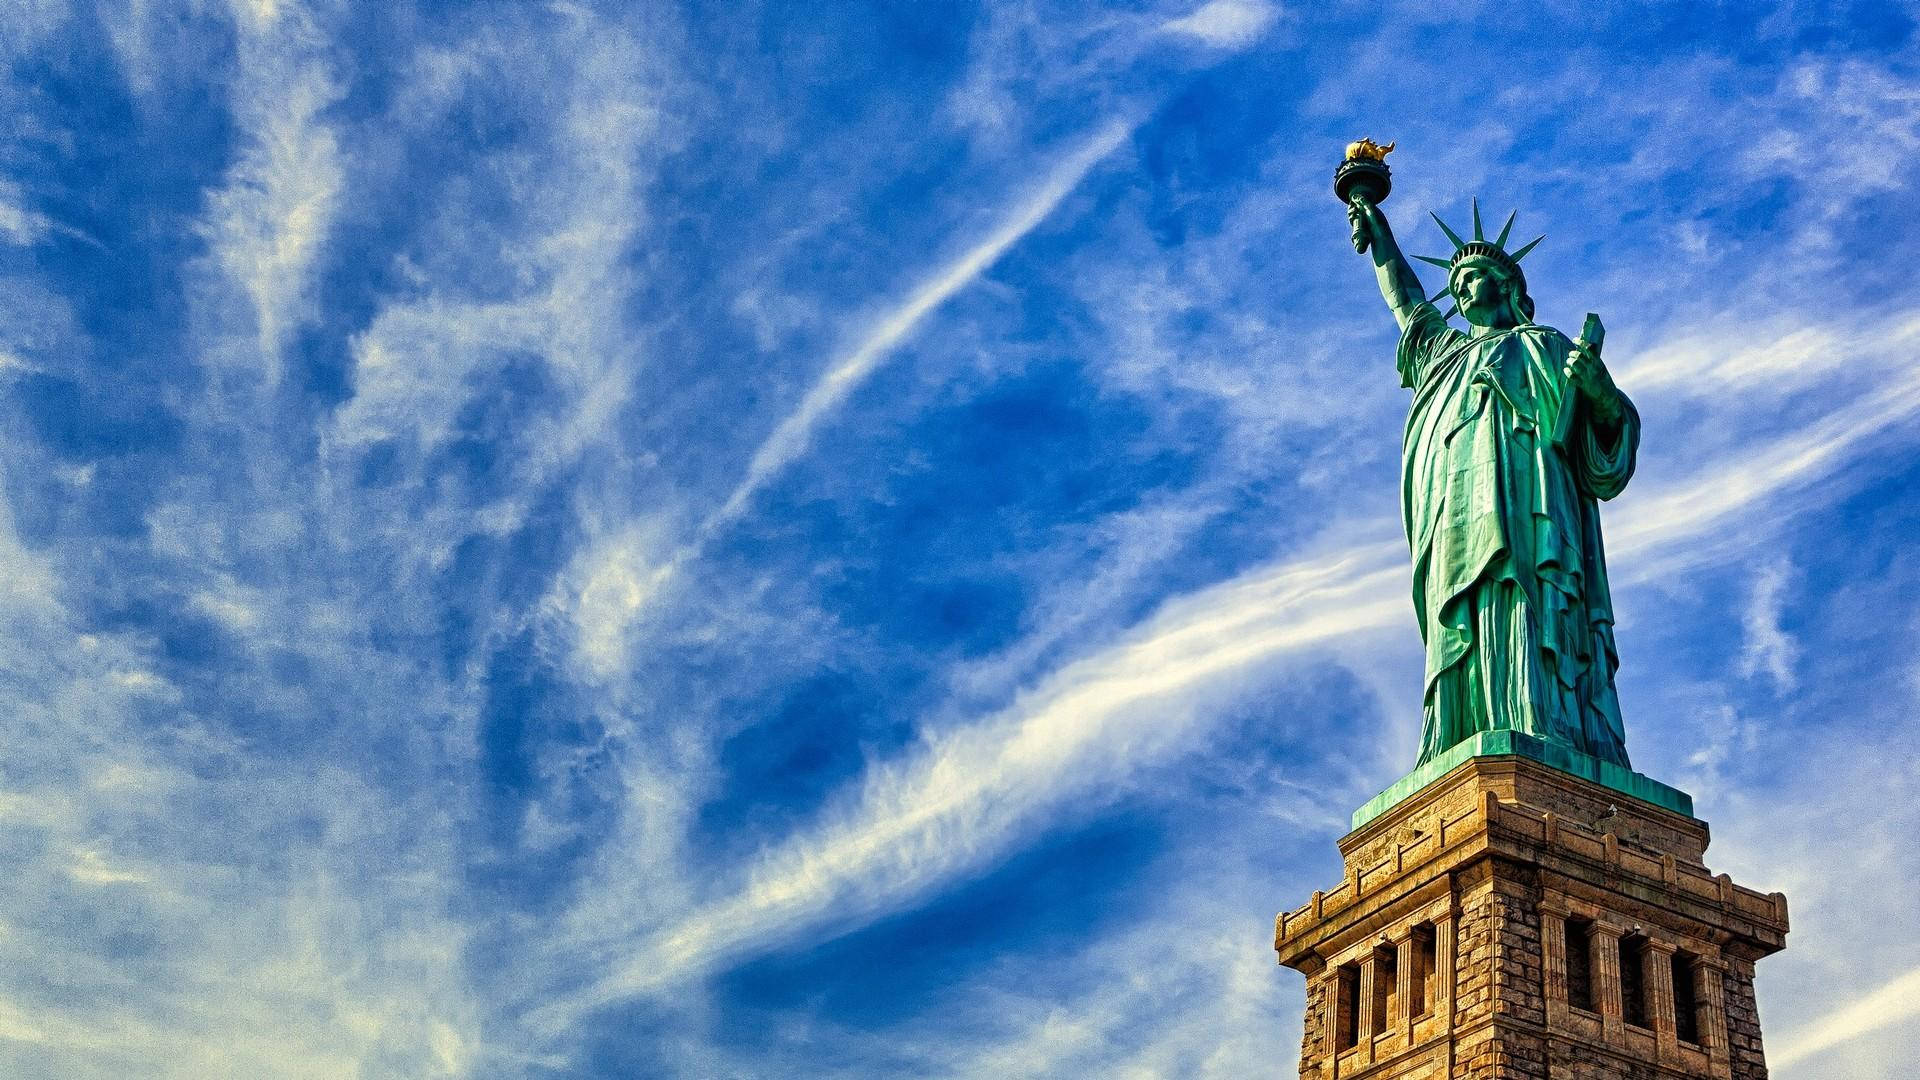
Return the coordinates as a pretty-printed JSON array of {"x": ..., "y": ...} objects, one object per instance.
[{"x": 1509, "y": 919}]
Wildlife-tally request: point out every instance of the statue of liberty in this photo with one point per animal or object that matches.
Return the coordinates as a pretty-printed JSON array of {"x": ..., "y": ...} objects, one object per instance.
[{"x": 1514, "y": 434}]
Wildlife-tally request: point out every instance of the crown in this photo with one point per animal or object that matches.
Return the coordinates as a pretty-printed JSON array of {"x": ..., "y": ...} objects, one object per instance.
[{"x": 1494, "y": 250}]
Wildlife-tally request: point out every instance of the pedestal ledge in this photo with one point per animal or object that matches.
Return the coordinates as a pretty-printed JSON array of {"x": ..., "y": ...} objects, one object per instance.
[
  {"x": 1516, "y": 744},
  {"x": 1513, "y": 920}
]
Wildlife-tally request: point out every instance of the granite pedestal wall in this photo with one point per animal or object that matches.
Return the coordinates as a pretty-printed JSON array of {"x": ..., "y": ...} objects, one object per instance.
[{"x": 1510, "y": 919}]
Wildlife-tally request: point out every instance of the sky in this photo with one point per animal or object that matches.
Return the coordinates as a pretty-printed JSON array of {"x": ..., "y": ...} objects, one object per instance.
[{"x": 862, "y": 540}]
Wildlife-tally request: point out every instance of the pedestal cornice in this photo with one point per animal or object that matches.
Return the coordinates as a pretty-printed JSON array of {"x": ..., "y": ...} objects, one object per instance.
[{"x": 1471, "y": 887}]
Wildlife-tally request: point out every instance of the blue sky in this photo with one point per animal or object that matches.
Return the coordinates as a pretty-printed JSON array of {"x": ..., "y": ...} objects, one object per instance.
[{"x": 861, "y": 540}]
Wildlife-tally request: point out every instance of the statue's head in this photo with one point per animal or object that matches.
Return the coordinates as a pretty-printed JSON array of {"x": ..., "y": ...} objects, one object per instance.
[
  {"x": 1489, "y": 287},
  {"x": 1484, "y": 278}
]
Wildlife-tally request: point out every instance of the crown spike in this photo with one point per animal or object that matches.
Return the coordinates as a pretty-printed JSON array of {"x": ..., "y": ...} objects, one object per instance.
[
  {"x": 1432, "y": 261},
  {"x": 1451, "y": 235},
  {"x": 1435, "y": 298},
  {"x": 1522, "y": 253},
  {"x": 1505, "y": 229},
  {"x": 1478, "y": 233},
  {"x": 1451, "y": 312}
]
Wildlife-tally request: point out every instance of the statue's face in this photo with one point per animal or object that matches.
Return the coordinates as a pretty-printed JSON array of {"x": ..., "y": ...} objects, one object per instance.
[{"x": 1481, "y": 289}]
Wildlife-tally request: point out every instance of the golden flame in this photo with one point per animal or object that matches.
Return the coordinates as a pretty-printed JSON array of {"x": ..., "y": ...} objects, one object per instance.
[{"x": 1368, "y": 150}]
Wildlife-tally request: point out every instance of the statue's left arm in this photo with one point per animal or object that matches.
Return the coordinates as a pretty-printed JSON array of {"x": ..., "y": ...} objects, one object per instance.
[{"x": 1608, "y": 426}]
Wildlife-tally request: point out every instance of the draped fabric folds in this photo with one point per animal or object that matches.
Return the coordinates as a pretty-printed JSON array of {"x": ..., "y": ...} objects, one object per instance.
[{"x": 1501, "y": 471}]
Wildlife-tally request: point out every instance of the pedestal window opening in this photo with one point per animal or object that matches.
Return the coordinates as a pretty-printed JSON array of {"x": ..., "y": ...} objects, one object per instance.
[
  {"x": 1346, "y": 1007},
  {"x": 1580, "y": 964},
  {"x": 1421, "y": 979},
  {"x": 1386, "y": 988},
  {"x": 1686, "y": 998},
  {"x": 1634, "y": 1006}
]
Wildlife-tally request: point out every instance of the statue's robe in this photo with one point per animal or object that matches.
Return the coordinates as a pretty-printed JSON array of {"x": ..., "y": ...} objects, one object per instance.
[{"x": 1501, "y": 470}]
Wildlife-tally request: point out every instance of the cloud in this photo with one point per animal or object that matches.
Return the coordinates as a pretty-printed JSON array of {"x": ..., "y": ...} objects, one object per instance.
[
  {"x": 1132, "y": 545},
  {"x": 947, "y": 808},
  {"x": 1890, "y": 1003},
  {"x": 548, "y": 281},
  {"x": 148, "y": 849},
  {"x": 271, "y": 220},
  {"x": 1185, "y": 989},
  {"x": 1847, "y": 939},
  {"x": 27, "y": 22},
  {"x": 620, "y": 579},
  {"x": 616, "y": 581},
  {"x": 1847, "y": 98},
  {"x": 1768, "y": 647},
  {"x": 1783, "y": 467},
  {"x": 1750, "y": 360},
  {"x": 23, "y": 226},
  {"x": 1225, "y": 24},
  {"x": 790, "y": 437}
]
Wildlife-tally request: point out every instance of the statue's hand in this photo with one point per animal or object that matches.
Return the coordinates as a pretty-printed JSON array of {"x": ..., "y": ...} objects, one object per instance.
[
  {"x": 1366, "y": 221},
  {"x": 1591, "y": 380}
]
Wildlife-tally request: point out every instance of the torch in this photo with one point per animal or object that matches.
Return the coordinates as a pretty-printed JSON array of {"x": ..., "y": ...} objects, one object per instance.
[{"x": 1363, "y": 176}]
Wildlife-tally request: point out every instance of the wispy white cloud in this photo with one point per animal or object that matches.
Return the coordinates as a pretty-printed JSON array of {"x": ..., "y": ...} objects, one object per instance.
[
  {"x": 28, "y": 21},
  {"x": 432, "y": 356},
  {"x": 1835, "y": 99},
  {"x": 1184, "y": 986},
  {"x": 790, "y": 437},
  {"x": 222, "y": 833},
  {"x": 1737, "y": 357},
  {"x": 1225, "y": 24},
  {"x": 1768, "y": 648},
  {"x": 1784, "y": 466},
  {"x": 22, "y": 225},
  {"x": 152, "y": 851},
  {"x": 1842, "y": 997},
  {"x": 959, "y": 800},
  {"x": 271, "y": 220},
  {"x": 1186, "y": 989},
  {"x": 1893, "y": 1002},
  {"x": 616, "y": 581},
  {"x": 1027, "y": 53},
  {"x": 554, "y": 284},
  {"x": 1132, "y": 545}
]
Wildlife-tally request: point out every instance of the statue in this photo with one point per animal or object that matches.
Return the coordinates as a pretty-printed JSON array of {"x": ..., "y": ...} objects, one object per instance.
[{"x": 1514, "y": 434}]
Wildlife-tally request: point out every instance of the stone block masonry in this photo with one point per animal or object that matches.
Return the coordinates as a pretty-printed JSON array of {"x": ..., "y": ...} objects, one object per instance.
[{"x": 1510, "y": 920}]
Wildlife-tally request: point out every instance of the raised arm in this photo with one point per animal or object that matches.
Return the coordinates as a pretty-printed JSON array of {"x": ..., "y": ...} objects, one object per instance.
[{"x": 1398, "y": 285}]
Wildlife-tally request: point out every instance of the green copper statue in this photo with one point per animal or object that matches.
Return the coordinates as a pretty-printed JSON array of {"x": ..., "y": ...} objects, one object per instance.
[{"x": 1514, "y": 434}]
